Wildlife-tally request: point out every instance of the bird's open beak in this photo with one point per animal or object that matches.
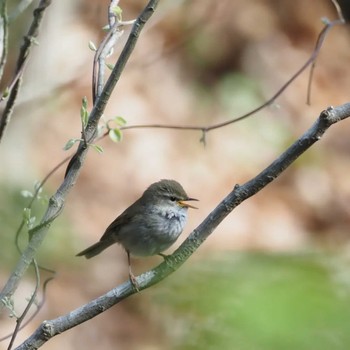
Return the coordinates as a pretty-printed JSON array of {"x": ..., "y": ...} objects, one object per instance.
[{"x": 186, "y": 205}]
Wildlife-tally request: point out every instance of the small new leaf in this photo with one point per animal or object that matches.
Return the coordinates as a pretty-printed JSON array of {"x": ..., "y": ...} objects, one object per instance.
[
  {"x": 325, "y": 20},
  {"x": 28, "y": 219},
  {"x": 31, "y": 222},
  {"x": 34, "y": 41},
  {"x": 6, "y": 92},
  {"x": 84, "y": 115},
  {"x": 26, "y": 214},
  {"x": 70, "y": 144},
  {"x": 97, "y": 148},
  {"x": 84, "y": 102},
  {"x": 110, "y": 66},
  {"x": 115, "y": 135},
  {"x": 38, "y": 186},
  {"x": 9, "y": 304},
  {"x": 26, "y": 194},
  {"x": 120, "y": 121},
  {"x": 118, "y": 12},
  {"x": 92, "y": 46}
]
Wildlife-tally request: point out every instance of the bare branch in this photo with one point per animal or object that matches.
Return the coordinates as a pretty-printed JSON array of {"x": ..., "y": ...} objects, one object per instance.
[
  {"x": 49, "y": 329},
  {"x": 339, "y": 11},
  {"x": 100, "y": 59},
  {"x": 204, "y": 129},
  {"x": 14, "y": 87},
  {"x": 27, "y": 308},
  {"x": 3, "y": 36},
  {"x": 319, "y": 42},
  {"x": 106, "y": 48}
]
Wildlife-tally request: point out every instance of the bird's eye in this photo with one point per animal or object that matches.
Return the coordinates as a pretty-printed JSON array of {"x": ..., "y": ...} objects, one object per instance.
[{"x": 173, "y": 199}]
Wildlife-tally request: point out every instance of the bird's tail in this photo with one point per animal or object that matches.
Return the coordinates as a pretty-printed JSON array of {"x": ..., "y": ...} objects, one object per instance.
[{"x": 95, "y": 249}]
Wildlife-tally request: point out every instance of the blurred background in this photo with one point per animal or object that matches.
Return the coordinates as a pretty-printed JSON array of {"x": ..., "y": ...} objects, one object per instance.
[{"x": 276, "y": 273}]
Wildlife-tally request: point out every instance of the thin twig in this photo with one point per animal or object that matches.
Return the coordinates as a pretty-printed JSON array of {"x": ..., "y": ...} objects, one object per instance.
[
  {"x": 27, "y": 308},
  {"x": 3, "y": 36},
  {"x": 102, "y": 52},
  {"x": 38, "y": 188},
  {"x": 339, "y": 11},
  {"x": 98, "y": 70},
  {"x": 271, "y": 100},
  {"x": 320, "y": 39},
  {"x": 29, "y": 40},
  {"x": 39, "y": 307}
]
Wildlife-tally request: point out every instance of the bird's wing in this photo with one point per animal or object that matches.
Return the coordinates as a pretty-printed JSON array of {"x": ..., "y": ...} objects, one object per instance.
[{"x": 123, "y": 219}]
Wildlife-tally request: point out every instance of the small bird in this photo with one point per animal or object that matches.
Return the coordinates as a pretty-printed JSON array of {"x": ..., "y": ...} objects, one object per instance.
[{"x": 150, "y": 225}]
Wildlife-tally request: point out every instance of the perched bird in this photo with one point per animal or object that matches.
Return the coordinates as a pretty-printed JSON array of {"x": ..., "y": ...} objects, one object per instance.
[{"x": 150, "y": 225}]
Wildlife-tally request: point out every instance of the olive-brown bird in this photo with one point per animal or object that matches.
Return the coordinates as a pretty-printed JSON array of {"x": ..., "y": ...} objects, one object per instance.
[{"x": 150, "y": 225}]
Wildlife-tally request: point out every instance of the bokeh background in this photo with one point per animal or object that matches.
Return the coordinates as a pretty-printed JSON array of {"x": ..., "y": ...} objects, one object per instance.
[{"x": 276, "y": 273}]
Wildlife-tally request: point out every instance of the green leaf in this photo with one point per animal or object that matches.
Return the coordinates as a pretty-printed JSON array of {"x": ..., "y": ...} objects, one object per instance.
[
  {"x": 84, "y": 102},
  {"x": 9, "y": 304},
  {"x": 92, "y": 46},
  {"x": 31, "y": 222},
  {"x": 116, "y": 135},
  {"x": 26, "y": 214},
  {"x": 110, "y": 66},
  {"x": 26, "y": 194},
  {"x": 38, "y": 186},
  {"x": 97, "y": 148},
  {"x": 34, "y": 41},
  {"x": 70, "y": 144},
  {"x": 6, "y": 92},
  {"x": 325, "y": 20},
  {"x": 84, "y": 115},
  {"x": 120, "y": 121},
  {"x": 117, "y": 11}
]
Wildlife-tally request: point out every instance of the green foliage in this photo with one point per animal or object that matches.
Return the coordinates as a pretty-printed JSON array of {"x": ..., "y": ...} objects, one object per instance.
[
  {"x": 252, "y": 301},
  {"x": 9, "y": 304},
  {"x": 28, "y": 218},
  {"x": 110, "y": 66},
  {"x": 84, "y": 114},
  {"x": 120, "y": 121},
  {"x": 58, "y": 249},
  {"x": 92, "y": 46},
  {"x": 6, "y": 92},
  {"x": 118, "y": 12},
  {"x": 97, "y": 148},
  {"x": 70, "y": 143},
  {"x": 115, "y": 133}
]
